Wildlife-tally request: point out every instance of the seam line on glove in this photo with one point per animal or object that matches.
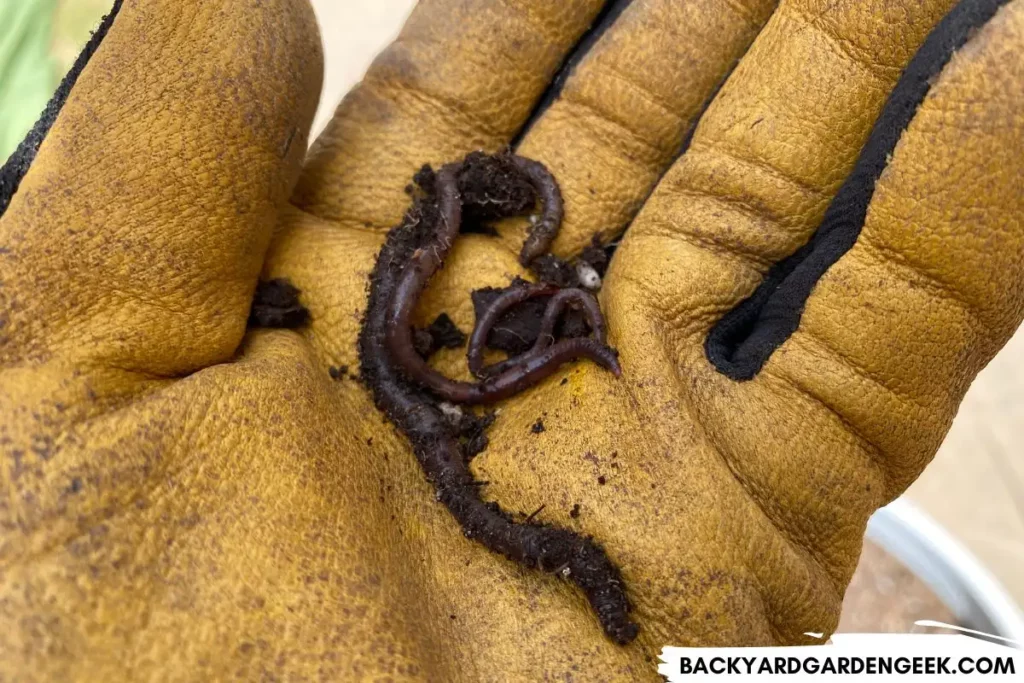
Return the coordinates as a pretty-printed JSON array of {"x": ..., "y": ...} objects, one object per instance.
[{"x": 605, "y": 19}]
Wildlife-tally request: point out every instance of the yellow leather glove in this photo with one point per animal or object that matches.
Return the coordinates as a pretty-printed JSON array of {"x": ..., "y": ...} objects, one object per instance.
[{"x": 185, "y": 500}]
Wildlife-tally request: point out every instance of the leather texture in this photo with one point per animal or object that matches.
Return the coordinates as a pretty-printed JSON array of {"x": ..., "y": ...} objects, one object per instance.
[{"x": 188, "y": 501}]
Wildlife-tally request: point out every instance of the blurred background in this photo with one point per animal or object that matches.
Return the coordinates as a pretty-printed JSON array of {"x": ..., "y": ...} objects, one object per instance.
[{"x": 975, "y": 486}]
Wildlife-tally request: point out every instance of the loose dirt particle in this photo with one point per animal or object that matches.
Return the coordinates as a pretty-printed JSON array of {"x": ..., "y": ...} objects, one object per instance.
[
  {"x": 441, "y": 334},
  {"x": 276, "y": 305}
]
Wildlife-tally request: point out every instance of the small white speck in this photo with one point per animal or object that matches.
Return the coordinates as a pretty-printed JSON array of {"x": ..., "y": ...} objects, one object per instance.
[
  {"x": 451, "y": 411},
  {"x": 588, "y": 276}
]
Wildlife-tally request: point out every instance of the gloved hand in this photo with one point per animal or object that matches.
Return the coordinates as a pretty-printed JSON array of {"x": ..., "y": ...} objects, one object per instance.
[{"x": 186, "y": 500}]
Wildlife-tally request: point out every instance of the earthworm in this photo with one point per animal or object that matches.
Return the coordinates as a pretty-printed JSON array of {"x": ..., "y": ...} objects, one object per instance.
[
  {"x": 544, "y": 231},
  {"x": 527, "y": 371},
  {"x": 501, "y": 304},
  {"x": 590, "y": 308},
  {"x": 412, "y": 252},
  {"x": 545, "y": 337}
]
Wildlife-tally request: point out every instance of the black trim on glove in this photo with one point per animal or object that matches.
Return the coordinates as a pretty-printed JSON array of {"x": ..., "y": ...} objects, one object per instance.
[
  {"x": 18, "y": 164},
  {"x": 742, "y": 341}
]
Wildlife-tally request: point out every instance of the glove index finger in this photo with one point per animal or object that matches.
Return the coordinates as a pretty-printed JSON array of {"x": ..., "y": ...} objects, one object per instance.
[{"x": 136, "y": 235}]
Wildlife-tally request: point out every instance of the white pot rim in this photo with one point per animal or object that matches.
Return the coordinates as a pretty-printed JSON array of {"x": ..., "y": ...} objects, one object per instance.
[{"x": 971, "y": 592}]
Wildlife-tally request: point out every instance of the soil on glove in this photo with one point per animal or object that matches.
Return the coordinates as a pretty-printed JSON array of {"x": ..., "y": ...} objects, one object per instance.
[
  {"x": 276, "y": 305},
  {"x": 441, "y": 334}
]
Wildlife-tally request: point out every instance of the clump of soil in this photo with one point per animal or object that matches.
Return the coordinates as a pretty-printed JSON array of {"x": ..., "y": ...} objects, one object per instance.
[
  {"x": 596, "y": 256},
  {"x": 441, "y": 334},
  {"x": 276, "y": 305},
  {"x": 471, "y": 430},
  {"x": 492, "y": 188},
  {"x": 553, "y": 270}
]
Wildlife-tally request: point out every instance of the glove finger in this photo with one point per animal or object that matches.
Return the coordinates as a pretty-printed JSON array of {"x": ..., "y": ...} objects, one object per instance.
[
  {"x": 931, "y": 286},
  {"x": 624, "y": 113},
  {"x": 136, "y": 236},
  {"x": 767, "y": 157},
  {"x": 764, "y": 163},
  {"x": 890, "y": 336},
  {"x": 462, "y": 75},
  {"x": 780, "y": 138}
]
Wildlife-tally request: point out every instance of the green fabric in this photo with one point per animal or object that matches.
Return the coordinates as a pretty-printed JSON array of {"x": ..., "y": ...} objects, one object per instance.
[
  {"x": 27, "y": 73},
  {"x": 73, "y": 23}
]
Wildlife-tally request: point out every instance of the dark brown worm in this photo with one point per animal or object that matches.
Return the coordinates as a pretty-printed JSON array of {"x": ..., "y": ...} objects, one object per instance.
[
  {"x": 501, "y": 304},
  {"x": 590, "y": 307},
  {"x": 544, "y": 231},
  {"x": 425, "y": 261},
  {"x": 411, "y": 248},
  {"x": 559, "y": 300}
]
